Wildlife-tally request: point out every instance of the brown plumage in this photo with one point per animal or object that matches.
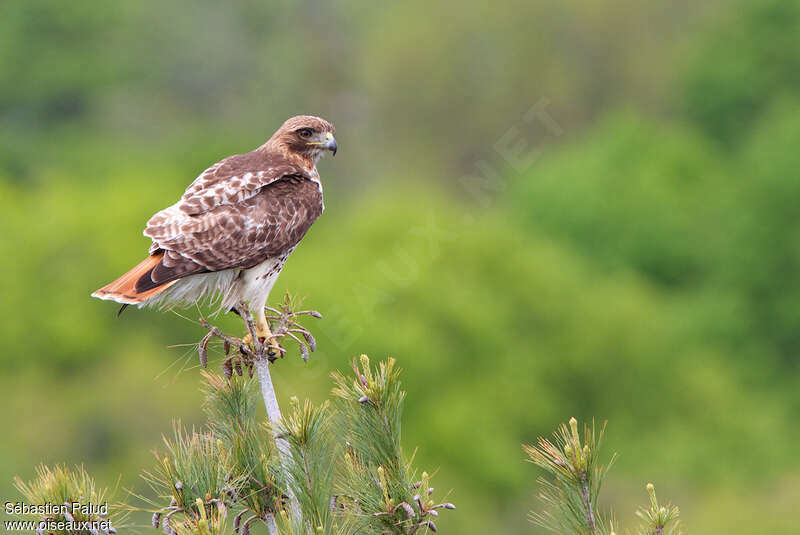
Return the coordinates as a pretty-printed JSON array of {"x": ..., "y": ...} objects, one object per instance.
[{"x": 233, "y": 229}]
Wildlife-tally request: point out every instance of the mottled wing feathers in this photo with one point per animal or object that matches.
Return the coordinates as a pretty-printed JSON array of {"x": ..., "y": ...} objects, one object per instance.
[
  {"x": 245, "y": 234},
  {"x": 235, "y": 179},
  {"x": 172, "y": 267},
  {"x": 237, "y": 214}
]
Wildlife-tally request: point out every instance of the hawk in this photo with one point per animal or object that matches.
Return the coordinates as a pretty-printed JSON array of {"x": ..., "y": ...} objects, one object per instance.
[{"x": 229, "y": 235}]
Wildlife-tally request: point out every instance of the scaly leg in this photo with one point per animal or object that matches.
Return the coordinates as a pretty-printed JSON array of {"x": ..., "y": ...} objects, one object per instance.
[{"x": 262, "y": 326}]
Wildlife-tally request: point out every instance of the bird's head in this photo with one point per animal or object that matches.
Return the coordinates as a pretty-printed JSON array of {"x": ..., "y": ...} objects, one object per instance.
[{"x": 305, "y": 136}]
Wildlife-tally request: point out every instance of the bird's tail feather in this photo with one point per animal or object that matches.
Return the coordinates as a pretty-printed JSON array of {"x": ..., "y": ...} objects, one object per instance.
[{"x": 123, "y": 290}]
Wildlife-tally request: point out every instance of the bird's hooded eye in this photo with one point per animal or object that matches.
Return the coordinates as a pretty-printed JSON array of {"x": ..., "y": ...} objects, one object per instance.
[{"x": 305, "y": 133}]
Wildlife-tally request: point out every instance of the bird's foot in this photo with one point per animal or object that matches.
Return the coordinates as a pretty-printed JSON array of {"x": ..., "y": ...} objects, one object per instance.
[
  {"x": 264, "y": 332},
  {"x": 272, "y": 348}
]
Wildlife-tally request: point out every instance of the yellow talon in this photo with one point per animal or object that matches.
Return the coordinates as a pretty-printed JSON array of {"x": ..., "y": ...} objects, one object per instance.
[{"x": 264, "y": 332}]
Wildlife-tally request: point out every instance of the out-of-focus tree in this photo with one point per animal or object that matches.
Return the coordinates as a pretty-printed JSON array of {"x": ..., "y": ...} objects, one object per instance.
[{"x": 744, "y": 62}]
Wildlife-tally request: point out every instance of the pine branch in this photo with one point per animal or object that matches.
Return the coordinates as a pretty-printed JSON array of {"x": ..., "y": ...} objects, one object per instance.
[
  {"x": 659, "y": 519},
  {"x": 376, "y": 486},
  {"x": 231, "y": 408},
  {"x": 193, "y": 474},
  {"x": 274, "y": 415},
  {"x": 258, "y": 357},
  {"x": 310, "y": 469},
  {"x": 571, "y": 496},
  {"x": 62, "y": 487}
]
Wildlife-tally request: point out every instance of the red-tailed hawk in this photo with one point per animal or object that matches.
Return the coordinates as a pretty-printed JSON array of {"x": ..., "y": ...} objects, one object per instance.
[{"x": 231, "y": 232}]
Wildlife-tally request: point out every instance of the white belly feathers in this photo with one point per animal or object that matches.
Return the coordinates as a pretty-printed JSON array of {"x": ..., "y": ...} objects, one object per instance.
[{"x": 228, "y": 287}]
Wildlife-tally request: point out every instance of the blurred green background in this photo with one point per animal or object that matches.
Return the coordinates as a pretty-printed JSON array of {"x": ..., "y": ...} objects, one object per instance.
[{"x": 542, "y": 210}]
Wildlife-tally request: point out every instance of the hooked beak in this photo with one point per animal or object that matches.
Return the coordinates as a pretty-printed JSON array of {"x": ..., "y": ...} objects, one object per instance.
[{"x": 330, "y": 143}]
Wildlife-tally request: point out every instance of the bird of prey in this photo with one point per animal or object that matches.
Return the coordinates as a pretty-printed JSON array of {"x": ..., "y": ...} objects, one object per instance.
[{"x": 229, "y": 235}]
